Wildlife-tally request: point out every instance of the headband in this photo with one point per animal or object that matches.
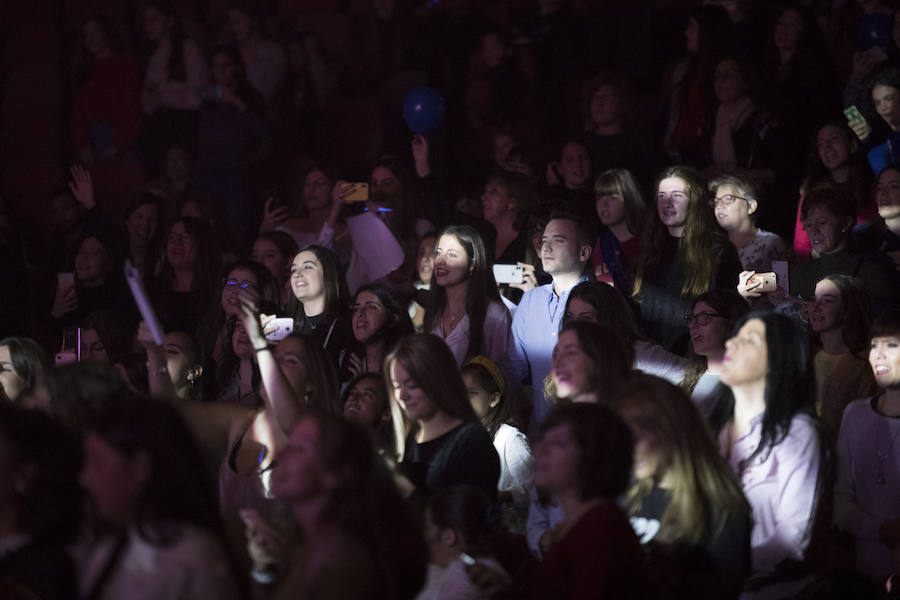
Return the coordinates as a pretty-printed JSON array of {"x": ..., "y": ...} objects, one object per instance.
[{"x": 492, "y": 369}]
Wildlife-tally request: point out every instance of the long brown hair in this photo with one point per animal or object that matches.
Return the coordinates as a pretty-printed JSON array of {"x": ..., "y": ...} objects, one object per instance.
[
  {"x": 701, "y": 242},
  {"x": 704, "y": 490}
]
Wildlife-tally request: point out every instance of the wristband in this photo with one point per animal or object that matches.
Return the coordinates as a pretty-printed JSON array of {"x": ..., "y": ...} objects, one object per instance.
[{"x": 263, "y": 349}]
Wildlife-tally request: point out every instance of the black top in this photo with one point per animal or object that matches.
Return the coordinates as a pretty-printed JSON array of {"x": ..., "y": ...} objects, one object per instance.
[
  {"x": 333, "y": 334},
  {"x": 465, "y": 454},
  {"x": 875, "y": 271}
]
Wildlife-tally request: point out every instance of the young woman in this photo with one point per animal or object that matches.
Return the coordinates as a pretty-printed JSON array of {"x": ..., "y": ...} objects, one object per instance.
[
  {"x": 684, "y": 253},
  {"x": 883, "y": 235},
  {"x": 505, "y": 197},
  {"x": 487, "y": 395},
  {"x": 769, "y": 434},
  {"x": 840, "y": 317},
  {"x": 438, "y": 438},
  {"x": 422, "y": 280},
  {"x": 620, "y": 207},
  {"x": 605, "y": 305},
  {"x": 684, "y": 494},
  {"x": 884, "y": 87},
  {"x": 710, "y": 324},
  {"x": 136, "y": 454},
  {"x": 583, "y": 459},
  {"x": 275, "y": 250},
  {"x": 736, "y": 204},
  {"x": 366, "y": 403},
  {"x": 589, "y": 363},
  {"x": 320, "y": 298},
  {"x": 466, "y": 311},
  {"x": 237, "y": 374},
  {"x": 142, "y": 226},
  {"x": 379, "y": 321},
  {"x": 868, "y": 458},
  {"x": 23, "y": 364},
  {"x": 359, "y": 539}
]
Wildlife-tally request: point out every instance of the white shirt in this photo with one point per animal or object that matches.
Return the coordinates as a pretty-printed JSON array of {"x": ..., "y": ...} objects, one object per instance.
[{"x": 495, "y": 337}]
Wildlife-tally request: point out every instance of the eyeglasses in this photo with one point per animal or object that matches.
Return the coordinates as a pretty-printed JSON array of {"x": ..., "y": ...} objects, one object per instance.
[
  {"x": 726, "y": 200},
  {"x": 233, "y": 284},
  {"x": 702, "y": 318}
]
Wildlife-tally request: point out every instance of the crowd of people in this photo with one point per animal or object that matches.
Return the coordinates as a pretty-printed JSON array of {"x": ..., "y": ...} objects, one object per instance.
[{"x": 626, "y": 324}]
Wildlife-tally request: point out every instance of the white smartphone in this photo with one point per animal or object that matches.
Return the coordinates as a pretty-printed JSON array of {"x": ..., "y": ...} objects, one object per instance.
[
  {"x": 763, "y": 282},
  {"x": 508, "y": 273},
  {"x": 280, "y": 328},
  {"x": 467, "y": 560},
  {"x": 65, "y": 281}
]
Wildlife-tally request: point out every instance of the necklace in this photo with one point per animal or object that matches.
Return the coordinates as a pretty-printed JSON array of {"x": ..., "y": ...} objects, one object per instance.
[
  {"x": 452, "y": 323},
  {"x": 880, "y": 475}
]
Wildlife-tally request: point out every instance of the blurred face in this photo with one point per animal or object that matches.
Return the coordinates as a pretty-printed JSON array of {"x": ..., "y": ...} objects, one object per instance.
[
  {"x": 177, "y": 164},
  {"x": 579, "y": 310},
  {"x": 181, "y": 247},
  {"x": 888, "y": 194},
  {"x": 180, "y": 359},
  {"x": 300, "y": 474},
  {"x": 611, "y": 208},
  {"x": 735, "y": 214},
  {"x": 91, "y": 262},
  {"x": 828, "y": 309},
  {"x": 240, "y": 341},
  {"x": 413, "y": 401},
  {"x": 267, "y": 253},
  {"x": 307, "y": 277},
  {"x": 788, "y": 30},
  {"x": 65, "y": 213},
  {"x": 728, "y": 81},
  {"x": 834, "y": 146},
  {"x": 142, "y": 224},
  {"x": 316, "y": 190},
  {"x": 886, "y": 100},
  {"x": 95, "y": 39},
  {"x": 369, "y": 316},
  {"x": 240, "y": 25},
  {"x": 493, "y": 50},
  {"x": 482, "y": 402},
  {"x": 451, "y": 262},
  {"x": 425, "y": 259},
  {"x": 672, "y": 204},
  {"x": 364, "y": 404},
  {"x": 291, "y": 357},
  {"x": 10, "y": 381},
  {"x": 826, "y": 232},
  {"x": 572, "y": 368},
  {"x": 384, "y": 187},
  {"x": 708, "y": 330},
  {"x": 746, "y": 355},
  {"x": 224, "y": 70},
  {"x": 574, "y": 165},
  {"x": 113, "y": 480},
  {"x": 495, "y": 202},
  {"x": 156, "y": 24},
  {"x": 604, "y": 106},
  {"x": 884, "y": 356},
  {"x": 556, "y": 460},
  {"x": 503, "y": 143},
  {"x": 649, "y": 455},
  {"x": 92, "y": 347},
  {"x": 560, "y": 253},
  {"x": 238, "y": 279},
  {"x": 692, "y": 36}
]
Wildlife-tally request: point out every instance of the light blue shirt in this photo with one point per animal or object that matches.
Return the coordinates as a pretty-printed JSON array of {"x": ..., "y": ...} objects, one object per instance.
[{"x": 535, "y": 328}]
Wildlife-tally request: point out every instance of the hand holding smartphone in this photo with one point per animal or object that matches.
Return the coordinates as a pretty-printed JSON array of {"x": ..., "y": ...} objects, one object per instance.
[
  {"x": 508, "y": 273},
  {"x": 762, "y": 282}
]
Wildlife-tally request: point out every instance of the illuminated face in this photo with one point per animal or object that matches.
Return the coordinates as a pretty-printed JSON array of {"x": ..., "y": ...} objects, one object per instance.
[
  {"x": 451, "y": 262},
  {"x": 142, "y": 224},
  {"x": 10, "y": 381},
  {"x": 425, "y": 259},
  {"x": 886, "y": 100},
  {"x": 573, "y": 369},
  {"x": 316, "y": 190},
  {"x": 482, "y": 402},
  {"x": 406, "y": 391},
  {"x": 826, "y": 232},
  {"x": 746, "y": 355},
  {"x": 365, "y": 403},
  {"x": 91, "y": 262},
  {"x": 556, "y": 460},
  {"x": 267, "y": 253},
  {"x": 369, "y": 316},
  {"x": 574, "y": 165},
  {"x": 307, "y": 277},
  {"x": 884, "y": 357},
  {"x": 672, "y": 204},
  {"x": 828, "y": 309},
  {"x": 579, "y": 310},
  {"x": 560, "y": 253},
  {"x": 888, "y": 194},
  {"x": 834, "y": 146},
  {"x": 238, "y": 279},
  {"x": 737, "y": 213},
  {"x": 611, "y": 208}
]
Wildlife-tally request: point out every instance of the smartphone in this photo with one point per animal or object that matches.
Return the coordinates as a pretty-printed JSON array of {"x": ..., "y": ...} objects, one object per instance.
[
  {"x": 65, "y": 281},
  {"x": 279, "y": 328},
  {"x": 70, "y": 351},
  {"x": 764, "y": 282},
  {"x": 358, "y": 193},
  {"x": 467, "y": 560},
  {"x": 508, "y": 273},
  {"x": 853, "y": 115}
]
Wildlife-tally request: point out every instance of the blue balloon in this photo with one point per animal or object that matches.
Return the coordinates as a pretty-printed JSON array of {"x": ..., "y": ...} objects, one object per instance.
[
  {"x": 875, "y": 30},
  {"x": 423, "y": 109}
]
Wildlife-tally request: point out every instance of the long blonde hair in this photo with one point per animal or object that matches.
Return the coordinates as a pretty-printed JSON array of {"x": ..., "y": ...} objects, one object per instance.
[{"x": 704, "y": 490}]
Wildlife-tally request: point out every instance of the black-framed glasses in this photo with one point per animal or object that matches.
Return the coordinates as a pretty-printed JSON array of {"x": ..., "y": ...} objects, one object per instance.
[
  {"x": 726, "y": 200},
  {"x": 702, "y": 318},
  {"x": 233, "y": 284}
]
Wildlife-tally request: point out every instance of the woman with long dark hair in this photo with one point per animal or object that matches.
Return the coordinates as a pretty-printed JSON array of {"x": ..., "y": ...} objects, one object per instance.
[
  {"x": 466, "y": 311},
  {"x": 379, "y": 321}
]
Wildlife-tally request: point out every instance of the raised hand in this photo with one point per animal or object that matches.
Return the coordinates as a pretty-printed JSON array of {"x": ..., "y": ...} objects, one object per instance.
[{"x": 82, "y": 186}]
